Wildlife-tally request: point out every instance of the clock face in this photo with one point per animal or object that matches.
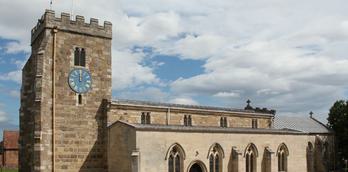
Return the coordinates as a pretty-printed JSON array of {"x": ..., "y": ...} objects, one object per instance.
[{"x": 80, "y": 80}]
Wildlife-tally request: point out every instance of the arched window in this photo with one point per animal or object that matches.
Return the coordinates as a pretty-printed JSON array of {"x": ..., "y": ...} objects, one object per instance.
[
  {"x": 282, "y": 154},
  {"x": 250, "y": 158},
  {"x": 83, "y": 57},
  {"x": 80, "y": 57},
  {"x": 266, "y": 163},
  {"x": 215, "y": 155},
  {"x": 211, "y": 163},
  {"x": 175, "y": 159},
  {"x": 76, "y": 57}
]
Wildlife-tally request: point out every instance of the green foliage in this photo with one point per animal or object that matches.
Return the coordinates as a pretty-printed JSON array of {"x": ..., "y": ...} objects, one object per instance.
[
  {"x": 8, "y": 170},
  {"x": 338, "y": 122}
]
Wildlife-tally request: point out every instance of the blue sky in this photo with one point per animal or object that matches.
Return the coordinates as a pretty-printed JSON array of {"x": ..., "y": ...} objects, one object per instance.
[{"x": 286, "y": 55}]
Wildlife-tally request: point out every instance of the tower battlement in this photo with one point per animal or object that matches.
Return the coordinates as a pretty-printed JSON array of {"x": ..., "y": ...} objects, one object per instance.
[{"x": 78, "y": 26}]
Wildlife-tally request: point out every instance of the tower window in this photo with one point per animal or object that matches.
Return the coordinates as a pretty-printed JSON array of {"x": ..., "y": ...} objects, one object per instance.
[
  {"x": 83, "y": 57},
  {"x": 80, "y": 57},
  {"x": 79, "y": 99},
  {"x": 76, "y": 57}
]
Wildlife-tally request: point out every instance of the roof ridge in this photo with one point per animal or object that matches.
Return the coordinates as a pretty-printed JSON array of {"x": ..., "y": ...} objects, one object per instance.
[
  {"x": 206, "y": 107},
  {"x": 121, "y": 122},
  {"x": 205, "y": 128},
  {"x": 167, "y": 103}
]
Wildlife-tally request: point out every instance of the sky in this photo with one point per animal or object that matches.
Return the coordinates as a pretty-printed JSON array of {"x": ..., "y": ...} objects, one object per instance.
[{"x": 287, "y": 55}]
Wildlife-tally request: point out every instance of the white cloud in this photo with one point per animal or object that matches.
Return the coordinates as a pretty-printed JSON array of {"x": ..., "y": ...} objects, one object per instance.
[
  {"x": 184, "y": 100},
  {"x": 15, "y": 76},
  {"x": 146, "y": 30},
  {"x": 14, "y": 93},
  {"x": 19, "y": 63},
  {"x": 16, "y": 47},
  {"x": 149, "y": 93},
  {"x": 266, "y": 92},
  {"x": 227, "y": 95},
  {"x": 2, "y": 116},
  {"x": 128, "y": 70},
  {"x": 167, "y": 24},
  {"x": 286, "y": 54},
  {"x": 196, "y": 47}
]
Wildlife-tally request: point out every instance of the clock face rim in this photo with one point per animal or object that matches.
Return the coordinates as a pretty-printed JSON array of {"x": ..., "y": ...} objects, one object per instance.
[{"x": 84, "y": 70}]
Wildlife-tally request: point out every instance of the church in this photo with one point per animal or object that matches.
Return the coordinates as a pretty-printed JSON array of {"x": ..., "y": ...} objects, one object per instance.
[{"x": 69, "y": 122}]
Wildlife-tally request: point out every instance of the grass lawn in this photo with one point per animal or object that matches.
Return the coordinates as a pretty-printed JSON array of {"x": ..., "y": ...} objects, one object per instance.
[{"x": 5, "y": 170}]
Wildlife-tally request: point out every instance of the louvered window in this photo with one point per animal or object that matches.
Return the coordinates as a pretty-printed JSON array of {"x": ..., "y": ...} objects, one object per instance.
[{"x": 80, "y": 57}]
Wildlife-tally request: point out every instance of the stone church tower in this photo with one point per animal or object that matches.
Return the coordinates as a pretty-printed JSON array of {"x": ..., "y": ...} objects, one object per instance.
[{"x": 66, "y": 85}]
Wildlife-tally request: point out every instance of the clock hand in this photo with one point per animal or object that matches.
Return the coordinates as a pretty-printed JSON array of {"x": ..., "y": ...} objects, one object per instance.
[{"x": 80, "y": 75}]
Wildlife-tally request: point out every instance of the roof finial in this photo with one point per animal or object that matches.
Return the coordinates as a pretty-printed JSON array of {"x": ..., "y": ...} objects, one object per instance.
[
  {"x": 51, "y": 2},
  {"x": 72, "y": 9},
  {"x": 248, "y": 107},
  {"x": 311, "y": 114}
]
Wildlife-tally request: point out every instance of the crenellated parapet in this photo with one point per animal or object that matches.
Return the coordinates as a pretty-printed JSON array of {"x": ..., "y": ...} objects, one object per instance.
[{"x": 65, "y": 23}]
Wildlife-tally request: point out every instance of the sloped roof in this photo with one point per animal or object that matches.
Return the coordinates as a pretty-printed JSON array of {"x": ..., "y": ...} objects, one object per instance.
[
  {"x": 11, "y": 139},
  {"x": 303, "y": 124},
  {"x": 204, "y": 129}
]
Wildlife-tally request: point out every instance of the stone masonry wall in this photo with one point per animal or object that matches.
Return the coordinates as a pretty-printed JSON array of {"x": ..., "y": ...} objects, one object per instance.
[
  {"x": 28, "y": 112},
  {"x": 176, "y": 117},
  {"x": 121, "y": 144},
  {"x": 149, "y": 148},
  {"x": 196, "y": 147}
]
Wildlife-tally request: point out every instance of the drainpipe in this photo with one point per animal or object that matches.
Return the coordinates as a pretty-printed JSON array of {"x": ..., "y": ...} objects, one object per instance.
[{"x": 54, "y": 31}]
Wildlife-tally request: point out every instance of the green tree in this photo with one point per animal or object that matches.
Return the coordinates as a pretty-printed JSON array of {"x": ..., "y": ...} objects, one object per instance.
[{"x": 338, "y": 122}]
